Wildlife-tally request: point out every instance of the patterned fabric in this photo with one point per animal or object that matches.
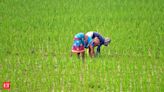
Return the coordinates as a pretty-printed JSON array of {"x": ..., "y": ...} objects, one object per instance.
[{"x": 78, "y": 44}]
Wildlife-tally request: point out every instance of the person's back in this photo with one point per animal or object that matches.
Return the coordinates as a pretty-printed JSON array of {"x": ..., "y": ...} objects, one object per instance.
[
  {"x": 103, "y": 41},
  {"x": 90, "y": 34},
  {"x": 79, "y": 36}
]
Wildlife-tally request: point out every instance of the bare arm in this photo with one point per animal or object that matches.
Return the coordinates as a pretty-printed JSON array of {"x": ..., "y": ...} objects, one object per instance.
[{"x": 91, "y": 51}]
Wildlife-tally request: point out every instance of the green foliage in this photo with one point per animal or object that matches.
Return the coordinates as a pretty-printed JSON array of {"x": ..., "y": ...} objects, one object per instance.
[{"x": 36, "y": 38}]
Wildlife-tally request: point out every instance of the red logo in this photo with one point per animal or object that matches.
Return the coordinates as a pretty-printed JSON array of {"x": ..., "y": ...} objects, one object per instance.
[{"x": 6, "y": 85}]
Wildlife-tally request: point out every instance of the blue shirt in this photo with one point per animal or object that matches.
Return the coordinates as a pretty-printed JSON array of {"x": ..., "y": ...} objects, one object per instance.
[
  {"x": 80, "y": 36},
  {"x": 89, "y": 42}
]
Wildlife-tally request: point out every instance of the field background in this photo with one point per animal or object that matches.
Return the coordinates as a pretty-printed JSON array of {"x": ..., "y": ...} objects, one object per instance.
[{"x": 36, "y": 38}]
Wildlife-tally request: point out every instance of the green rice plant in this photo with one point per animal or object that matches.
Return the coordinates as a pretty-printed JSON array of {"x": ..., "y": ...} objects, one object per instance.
[{"x": 36, "y": 38}]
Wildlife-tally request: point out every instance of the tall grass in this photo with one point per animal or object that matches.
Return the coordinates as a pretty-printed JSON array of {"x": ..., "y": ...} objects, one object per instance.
[{"x": 36, "y": 38}]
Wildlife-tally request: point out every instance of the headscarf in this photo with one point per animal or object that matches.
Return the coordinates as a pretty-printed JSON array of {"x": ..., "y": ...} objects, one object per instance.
[{"x": 107, "y": 41}]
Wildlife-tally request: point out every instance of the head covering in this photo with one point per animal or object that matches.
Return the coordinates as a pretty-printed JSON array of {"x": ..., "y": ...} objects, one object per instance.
[{"x": 107, "y": 41}]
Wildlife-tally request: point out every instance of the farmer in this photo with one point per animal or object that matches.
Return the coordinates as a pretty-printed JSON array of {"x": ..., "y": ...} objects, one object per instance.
[
  {"x": 103, "y": 41},
  {"x": 82, "y": 41},
  {"x": 78, "y": 45}
]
